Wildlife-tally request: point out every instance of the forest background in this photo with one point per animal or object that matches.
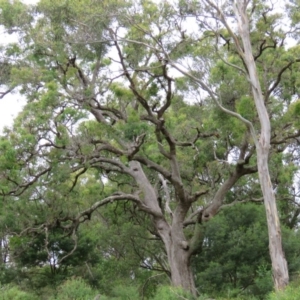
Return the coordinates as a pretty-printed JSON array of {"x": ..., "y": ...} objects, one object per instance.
[{"x": 154, "y": 140}]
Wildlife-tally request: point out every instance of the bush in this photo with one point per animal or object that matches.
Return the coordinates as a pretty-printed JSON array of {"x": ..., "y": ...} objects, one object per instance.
[
  {"x": 75, "y": 289},
  {"x": 124, "y": 292},
  {"x": 171, "y": 293},
  {"x": 235, "y": 298},
  {"x": 292, "y": 292},
  {"x": 13, "y": 293}
]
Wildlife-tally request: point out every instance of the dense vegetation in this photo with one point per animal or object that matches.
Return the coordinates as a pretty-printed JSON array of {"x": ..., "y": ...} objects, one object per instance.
[{"x": 157, "y": 155}]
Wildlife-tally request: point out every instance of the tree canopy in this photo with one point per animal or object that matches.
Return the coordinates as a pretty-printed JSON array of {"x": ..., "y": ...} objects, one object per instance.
[{"x": 147, "y": 120}]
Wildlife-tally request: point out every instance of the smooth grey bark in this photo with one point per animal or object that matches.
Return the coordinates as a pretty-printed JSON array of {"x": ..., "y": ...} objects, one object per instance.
[
  {"x": 179, "y": 253},
  {"x": 180, "y": 250},
  {"x": 172, "y": 234},
  {"x": 244, "y": 49},
  {"x": 279, "y": 264},
  {"x": 181, "y": 272}
]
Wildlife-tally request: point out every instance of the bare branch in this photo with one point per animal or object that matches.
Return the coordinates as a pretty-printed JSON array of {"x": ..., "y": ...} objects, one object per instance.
[
  {"x": 275, "y": 84},
  {"x": 3, "y": 94},
  {"x": 75, "y": 239}
]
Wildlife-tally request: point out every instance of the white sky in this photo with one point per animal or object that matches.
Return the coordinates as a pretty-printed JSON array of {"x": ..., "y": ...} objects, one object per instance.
[{"x": 11, "y": 104}]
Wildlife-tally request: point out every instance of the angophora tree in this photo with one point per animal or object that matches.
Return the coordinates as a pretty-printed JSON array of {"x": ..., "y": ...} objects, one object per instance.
[
  {"x": 243, "y": 46},
  {"x": 240, "y": 36},
  {"x": 230, "y": 24},
  {"x": 102, "y": 103},
  {"x": 279, "y": 264}
]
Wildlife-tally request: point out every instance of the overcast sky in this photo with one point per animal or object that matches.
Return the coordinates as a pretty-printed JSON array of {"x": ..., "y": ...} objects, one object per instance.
[{"x": 10, "y": 105}]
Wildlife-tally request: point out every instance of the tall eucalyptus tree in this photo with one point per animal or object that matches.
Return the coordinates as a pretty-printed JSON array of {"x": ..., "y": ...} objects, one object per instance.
[{"x": 106, "y": 107}]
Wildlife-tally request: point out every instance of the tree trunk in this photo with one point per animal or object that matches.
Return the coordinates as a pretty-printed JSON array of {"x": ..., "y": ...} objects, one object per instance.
[
  {"x": 177, "y": 254},
  {"x": 181, "y": 272},
  {"x": 171, "y": 234},
  {"x": 279, "y": 264}
]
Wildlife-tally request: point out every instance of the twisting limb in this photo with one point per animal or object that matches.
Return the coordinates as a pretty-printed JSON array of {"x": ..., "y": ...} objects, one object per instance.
[{"x": 75, "y": 239}]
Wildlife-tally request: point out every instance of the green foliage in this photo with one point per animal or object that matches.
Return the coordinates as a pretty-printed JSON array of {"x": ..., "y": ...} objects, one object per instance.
[
  {"x": 292, "y": 292},
  {"x": 74, "y": 289},
  {"x": 13, "y": 14},
  {"x": 133, "y": 128},
  {"x": 122, "y": 292},
  {"x": 291, "y": 246},
  {"x": 235, "y": 253},
  {"x": 14, "y": 293},
  {"x": 90, "y": 113},
  {"x": 171, "y": 293},
  {"x": 246, "y": 107},
  {"x": 293, "y": 113},
  {"x": 233, "y": 297}
]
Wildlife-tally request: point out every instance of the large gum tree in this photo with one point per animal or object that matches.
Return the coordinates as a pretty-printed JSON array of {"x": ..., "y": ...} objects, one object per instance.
[
  {"x": 104, "y": 101},
  {"x": 251, "y": 31}
]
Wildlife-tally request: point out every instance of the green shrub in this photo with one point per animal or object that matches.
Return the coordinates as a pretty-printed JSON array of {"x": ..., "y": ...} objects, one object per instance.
[
  {"x": 124, "y": 292},
  {"x": 13, "y": 293},
  {"x": 171, "y": 293},
  {"x": 292, "y": 292},
  {"x": 235, "y": 298},
  {"x": 75, "y": 289}
]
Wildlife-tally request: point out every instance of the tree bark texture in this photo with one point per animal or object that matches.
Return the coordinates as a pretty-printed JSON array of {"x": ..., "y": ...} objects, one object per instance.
[
  {"x": 178, "y": 253},
  {"x": 279, "y": 264},
  {"x": 171, "y": 234},
  {"x": 181, "y": 272}
]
